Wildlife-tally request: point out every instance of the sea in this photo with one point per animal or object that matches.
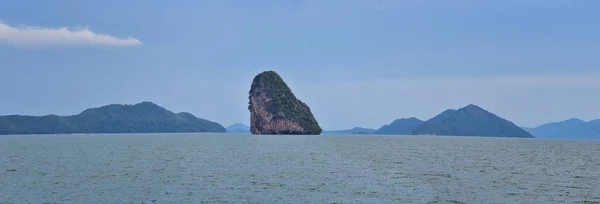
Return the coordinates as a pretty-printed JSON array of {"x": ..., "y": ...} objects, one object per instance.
[{"x": 239, "y": 168}]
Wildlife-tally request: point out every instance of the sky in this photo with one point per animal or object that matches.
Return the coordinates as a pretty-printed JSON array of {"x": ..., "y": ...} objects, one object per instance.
[{"x": 354, "y": 62}]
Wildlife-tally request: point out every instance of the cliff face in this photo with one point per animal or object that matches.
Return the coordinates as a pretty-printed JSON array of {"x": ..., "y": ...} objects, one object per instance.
[{"x": 275, "y": 110}]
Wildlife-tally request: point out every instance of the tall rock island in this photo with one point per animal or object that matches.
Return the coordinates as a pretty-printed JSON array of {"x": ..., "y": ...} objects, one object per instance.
[{"x": 275, "y": 110}]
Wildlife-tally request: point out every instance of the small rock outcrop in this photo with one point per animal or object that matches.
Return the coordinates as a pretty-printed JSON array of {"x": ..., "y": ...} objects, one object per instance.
[{"x": 275, "y": 110}]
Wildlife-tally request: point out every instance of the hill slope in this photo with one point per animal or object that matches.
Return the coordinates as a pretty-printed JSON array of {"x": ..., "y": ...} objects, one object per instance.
[
  {"x": 403, "y": 126},
  {"x": 547, "y": 130},
  {"x": 568, "y": 129},
  {"x": 470, "y": 120},
  {"x": 145, "y": 117}
]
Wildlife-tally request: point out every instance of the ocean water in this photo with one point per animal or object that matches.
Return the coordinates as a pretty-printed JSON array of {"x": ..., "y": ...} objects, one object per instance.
[{"x": 222, "y": 168}]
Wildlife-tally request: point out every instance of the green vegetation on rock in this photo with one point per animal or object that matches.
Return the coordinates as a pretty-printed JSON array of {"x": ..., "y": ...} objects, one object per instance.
[{"x": 283, "y": 104}]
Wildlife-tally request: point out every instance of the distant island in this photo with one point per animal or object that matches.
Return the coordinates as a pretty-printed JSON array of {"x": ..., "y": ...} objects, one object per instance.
[
  {"x": 145, "y": 117},
  {"x": 356, "y": 130},
  {"x": 470, "y": 120},
  {"x": 275, "y": 110},
  {"x": 238, "y": 128},
  {"x": 569, "y": 129},
  {"x": 403, "y": 126}
]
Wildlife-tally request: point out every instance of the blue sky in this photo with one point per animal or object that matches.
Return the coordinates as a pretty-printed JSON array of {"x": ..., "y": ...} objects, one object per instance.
[{"x": 356, "y": 63}]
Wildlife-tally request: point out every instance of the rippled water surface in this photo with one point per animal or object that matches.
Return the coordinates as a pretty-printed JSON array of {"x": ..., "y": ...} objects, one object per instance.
[{"x": 220, "y": 168}]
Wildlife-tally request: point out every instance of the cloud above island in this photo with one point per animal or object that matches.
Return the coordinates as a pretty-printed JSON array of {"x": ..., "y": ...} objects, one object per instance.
[{"x": 26, "y": 36}]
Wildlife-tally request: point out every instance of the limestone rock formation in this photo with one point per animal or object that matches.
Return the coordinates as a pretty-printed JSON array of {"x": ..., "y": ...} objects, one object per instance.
[{"x": 275, "y": 110}]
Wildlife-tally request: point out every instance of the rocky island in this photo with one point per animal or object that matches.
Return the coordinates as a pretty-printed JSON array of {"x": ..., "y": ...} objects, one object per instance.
[{"x": 275, "y": 110}]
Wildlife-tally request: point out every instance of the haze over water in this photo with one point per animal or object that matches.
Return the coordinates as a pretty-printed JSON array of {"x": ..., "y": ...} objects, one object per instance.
[{"x": 220, "y": 168}]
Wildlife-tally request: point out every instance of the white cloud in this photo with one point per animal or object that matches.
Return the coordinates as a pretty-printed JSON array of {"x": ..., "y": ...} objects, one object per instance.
[{"x": 36, "y": 36}]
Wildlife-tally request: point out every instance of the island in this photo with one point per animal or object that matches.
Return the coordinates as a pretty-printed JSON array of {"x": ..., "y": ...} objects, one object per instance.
[
  {"x": 403, "y": 126},
  {"x": 470, "y": 120},
  {"x": 274, "y": 109},
  {"x": 145, "y": 117},
  {"x": 355, "y": 130},
  {"x": 569, "y": 129},
  {"x": 238, "y": 128}
]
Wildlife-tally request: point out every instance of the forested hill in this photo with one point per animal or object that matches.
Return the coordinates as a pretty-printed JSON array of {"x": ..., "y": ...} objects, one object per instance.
[
  {"x": 470, "y": 120},
  {"x": 145, "y": 117}
]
